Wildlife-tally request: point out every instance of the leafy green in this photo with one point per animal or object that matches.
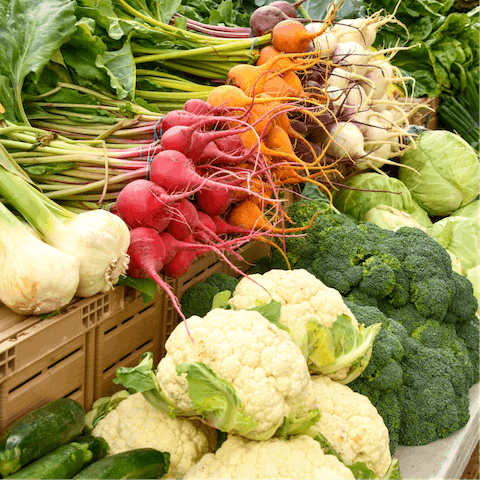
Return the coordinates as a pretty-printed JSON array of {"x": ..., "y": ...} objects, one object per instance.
[
  {"x": 340, "y": 347},
  {"x": 30, "y": 32},
  {"x": 146, "y": 286},
  {"x": 444, "y": 45},
  {"x": 92, "y": 63},
  {"x": 231, "y": 13},
  {"x": 215, "y": 399},
  {"x": 142, "y": 379},
  {"x": 348, "y": 9}
]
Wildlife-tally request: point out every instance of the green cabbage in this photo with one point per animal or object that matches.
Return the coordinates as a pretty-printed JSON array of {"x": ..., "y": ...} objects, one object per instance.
[
  {"x": 390, "y": 218},
  {"x": 449, "y": 172},
  {"x": 470, "y": 211},
  {"x": 459, "y": 235},
  {"x": 357, "y": 203}
]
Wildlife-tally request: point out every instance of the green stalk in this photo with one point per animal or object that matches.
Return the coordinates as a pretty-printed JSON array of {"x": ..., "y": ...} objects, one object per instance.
[
  {"x": 24, "y": 198},
  {"x": 150, "y": 95},
  {"x": 183, "y": 86},
  {"x": 204, "y": 73},
  {"x": 229, "y": 47}
]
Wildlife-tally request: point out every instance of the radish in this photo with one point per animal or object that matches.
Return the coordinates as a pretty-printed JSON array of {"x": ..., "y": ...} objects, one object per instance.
[
  {"x": 185, "y": 222},
  {"x": 324, "y": 44},
  {"x": 173, "y": 171},
  {"x": 147, "y": 257},
  {"x": 141, "y": 203},
  {"x": 215, "y": 200}
]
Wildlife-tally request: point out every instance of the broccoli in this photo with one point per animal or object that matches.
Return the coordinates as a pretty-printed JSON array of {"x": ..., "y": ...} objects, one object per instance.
[
  {"x": 426, "y": 357},
  {"x": 418, "y": 379},
  {"x": 197, "y": 300}
]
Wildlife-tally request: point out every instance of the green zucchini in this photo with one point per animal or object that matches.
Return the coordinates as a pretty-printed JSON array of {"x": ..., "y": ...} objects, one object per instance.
[
  {"x": 97, "y": 445},
  {"x": 40, "y": 432},
  {"x": 63, "y": 462},
  {"x": 138, "y": 463}
]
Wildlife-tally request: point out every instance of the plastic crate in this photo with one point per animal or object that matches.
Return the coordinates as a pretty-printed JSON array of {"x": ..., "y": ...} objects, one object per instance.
[{"x": 61, "y": 356}]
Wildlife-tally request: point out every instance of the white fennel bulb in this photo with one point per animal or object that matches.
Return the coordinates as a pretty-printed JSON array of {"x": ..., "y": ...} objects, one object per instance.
[
  {"x": 36, "y": 277},
  {"x": 100, "y": 240}
]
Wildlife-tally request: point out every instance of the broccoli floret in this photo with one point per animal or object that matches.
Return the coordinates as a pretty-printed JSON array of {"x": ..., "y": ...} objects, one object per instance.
[
  {"x": 464, "y": 304},
  {"x": 469, "y": 332},
  {"x": 430, "y": 406},
  {"x": 197, "y": 300},
  {"x": 222, "y": 281},
  {"x": 425, "y": 371},
  {"x": 378, "y": 275}
]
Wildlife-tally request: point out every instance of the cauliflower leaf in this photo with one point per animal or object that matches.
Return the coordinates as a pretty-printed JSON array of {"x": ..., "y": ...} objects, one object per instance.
[
  {"x": 341, "y": 346},
  {"x": 215, "y": 399}
]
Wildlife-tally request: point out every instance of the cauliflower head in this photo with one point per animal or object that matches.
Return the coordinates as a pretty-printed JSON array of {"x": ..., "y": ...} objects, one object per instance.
[
  {"x": 135, "y": 423},
  {"x": 301, "y": 294},
  {"x": 352, "y": 425},
  {"x": 259, "y": 361},
  {"x": 299, "y": 457},
  {"x": 316, "y": 317}
]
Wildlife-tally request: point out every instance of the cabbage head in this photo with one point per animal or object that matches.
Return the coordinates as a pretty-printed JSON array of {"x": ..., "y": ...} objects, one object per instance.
[
  {"x": 390, "y": 218},
  {"x": 383, "y": 191},
  {"x": 459, "y": 236},
  {"x": 470, "y": 211},
  {"x": 449, "y": 172}
]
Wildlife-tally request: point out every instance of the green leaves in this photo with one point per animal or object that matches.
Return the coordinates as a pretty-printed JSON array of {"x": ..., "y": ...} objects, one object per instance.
[
  {"x": 443, "y": 45},
  {"x": 340, "y": 347},
  {"x": 141, "y": 379},
  {"x": 215, "y": 399},
  {"x": 146, "y": 286},
  {"x": 30, "y": 32}
]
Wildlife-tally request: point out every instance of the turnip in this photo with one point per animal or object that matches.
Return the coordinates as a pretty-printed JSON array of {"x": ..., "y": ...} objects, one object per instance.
[
  {"x": 348, "y": 141},
  {"x": 324, "y": 44}
]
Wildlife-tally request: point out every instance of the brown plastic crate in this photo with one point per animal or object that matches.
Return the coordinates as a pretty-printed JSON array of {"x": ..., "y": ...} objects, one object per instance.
[
  {"x": 121, "y": 339},
  {"x": 41, "y": 360}
]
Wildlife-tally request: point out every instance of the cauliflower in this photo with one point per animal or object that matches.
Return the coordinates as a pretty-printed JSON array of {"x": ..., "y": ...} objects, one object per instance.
[
  {"x": 298, "y": 457},
  {"x": 314, "y": 315},
  {"x": 352, "y": 425},
  {"x": 247, "y": 366},
  {"x": 136, "y": 424}
]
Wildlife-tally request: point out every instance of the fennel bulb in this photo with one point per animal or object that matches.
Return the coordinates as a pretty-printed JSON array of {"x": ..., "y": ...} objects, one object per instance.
[
  {"x": 98, "y": 239},
  {"x": 36, "y": 277}
]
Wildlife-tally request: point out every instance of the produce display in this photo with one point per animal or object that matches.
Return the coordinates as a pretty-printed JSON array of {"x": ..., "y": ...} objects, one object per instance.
[{"x": 139, "y": 138}]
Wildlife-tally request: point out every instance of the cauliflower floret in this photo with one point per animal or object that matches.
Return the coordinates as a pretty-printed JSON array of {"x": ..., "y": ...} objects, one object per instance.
[
  {"x": 135, "y": 423},
  {"x": 352, "y": 425},
  {"x": 303, "y": 297},
  {"x": 299, "y": 457},
  {"x": 263, "y": 364}
]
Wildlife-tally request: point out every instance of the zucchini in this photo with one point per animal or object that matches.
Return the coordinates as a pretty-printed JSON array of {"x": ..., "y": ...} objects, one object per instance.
[
  {"x": 138, "y": 463},
  {"x": 63, "y": 462},
  {"x": 97, "y": 445},
  {"x": 40, "y": 432}
]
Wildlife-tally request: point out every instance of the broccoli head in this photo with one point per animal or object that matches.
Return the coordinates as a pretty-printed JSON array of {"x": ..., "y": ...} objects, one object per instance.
[
  {"x": 418, "y": 377},
  {"x": 197, "y": 300}
]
